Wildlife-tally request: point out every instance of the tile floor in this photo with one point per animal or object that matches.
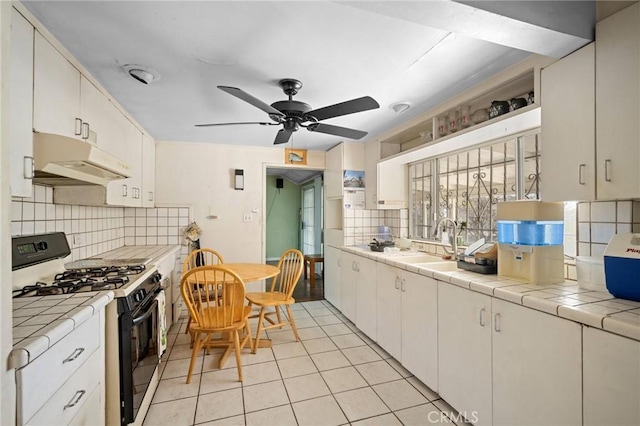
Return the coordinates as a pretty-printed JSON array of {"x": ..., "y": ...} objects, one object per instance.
[{"x": 334, "y": 376}]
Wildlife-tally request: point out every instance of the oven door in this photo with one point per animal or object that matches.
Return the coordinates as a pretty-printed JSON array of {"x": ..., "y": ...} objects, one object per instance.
[{"x": 138, "y": 356}]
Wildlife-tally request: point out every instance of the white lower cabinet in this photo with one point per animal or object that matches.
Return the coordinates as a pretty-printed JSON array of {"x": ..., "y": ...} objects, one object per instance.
[
  {"x": 407, "y": 318},
  {"x": 504, "y": 364},
  {"x": 611, "y": 374},
  {"x": 348, "y": 277},
  {"x": 358, "y": 292},
  {"x": 464, "y": 352},
  {"x": 332, "y": 260}
]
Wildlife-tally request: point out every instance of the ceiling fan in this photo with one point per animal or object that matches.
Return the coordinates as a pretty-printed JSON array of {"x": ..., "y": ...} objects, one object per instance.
[{"x": 295, "y": 114}]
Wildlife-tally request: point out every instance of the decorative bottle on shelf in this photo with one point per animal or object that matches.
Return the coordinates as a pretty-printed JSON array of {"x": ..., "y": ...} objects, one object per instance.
[
  {"x": 530, "y": 99},
  {"x": 452, "y": 119},
  {"x": 465, "y": 116},
  {"x": 442, "y": 126}
]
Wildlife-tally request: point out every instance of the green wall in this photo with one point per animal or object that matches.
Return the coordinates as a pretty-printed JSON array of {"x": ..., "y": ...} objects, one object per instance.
[{"x": 283, "y": 217}]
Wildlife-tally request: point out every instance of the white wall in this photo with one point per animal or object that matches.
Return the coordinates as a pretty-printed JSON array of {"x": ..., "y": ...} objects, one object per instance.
[{"x": 200, "y": 175}]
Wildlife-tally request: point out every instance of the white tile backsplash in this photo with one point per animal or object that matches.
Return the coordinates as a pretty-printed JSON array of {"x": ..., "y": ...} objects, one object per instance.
[
  {"x": 599, "y": 221},
  {"x": 602, "y": 232},
  {"x": 92, "y": 230},
  {"x": 603, "y": 211}
]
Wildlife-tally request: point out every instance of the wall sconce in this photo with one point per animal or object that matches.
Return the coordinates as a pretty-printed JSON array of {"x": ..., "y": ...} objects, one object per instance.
[{"x": 238, "y": 182}]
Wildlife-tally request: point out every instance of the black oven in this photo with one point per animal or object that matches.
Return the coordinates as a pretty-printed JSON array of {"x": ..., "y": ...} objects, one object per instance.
[{"x": 138, "y": 325}]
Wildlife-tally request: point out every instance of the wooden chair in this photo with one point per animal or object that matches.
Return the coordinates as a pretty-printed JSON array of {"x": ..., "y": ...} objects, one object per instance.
[
  {"x": 195, "y": 259},
  {"x": 215, "y": 298},
  {"x": 280, "y": 294}
]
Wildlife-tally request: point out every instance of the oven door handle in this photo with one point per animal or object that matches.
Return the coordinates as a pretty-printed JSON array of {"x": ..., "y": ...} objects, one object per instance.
[{"x": 146, "y": 315}]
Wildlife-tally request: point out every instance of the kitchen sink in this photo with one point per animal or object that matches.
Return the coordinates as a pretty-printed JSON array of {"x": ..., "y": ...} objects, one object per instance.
[
  {"x": 440, "y": 266},
  {"x": 418, "y": 258}
]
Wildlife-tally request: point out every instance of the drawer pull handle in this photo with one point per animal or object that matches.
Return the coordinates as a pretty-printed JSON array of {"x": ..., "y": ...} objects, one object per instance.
[
  {"x": 74, "y": 355},
  {"x": 580, "y": 173},
  {"x": 607, "y": 164},
  {"x": 496, "y": 323},
  {"x": 76, "y": 398},
  {"x": 482, "y": 321}
]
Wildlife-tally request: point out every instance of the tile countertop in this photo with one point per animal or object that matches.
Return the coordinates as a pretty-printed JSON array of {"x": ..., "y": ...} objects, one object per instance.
[
  {"x": 40, "y": 322},
  {"x": 566, "y": 299}
]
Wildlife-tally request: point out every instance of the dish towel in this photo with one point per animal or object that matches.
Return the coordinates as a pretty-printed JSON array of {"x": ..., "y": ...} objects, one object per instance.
[{"x": 162, "y": 323}]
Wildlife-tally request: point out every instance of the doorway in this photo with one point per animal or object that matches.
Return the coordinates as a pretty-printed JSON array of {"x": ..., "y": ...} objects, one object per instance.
[{"x": 294, "y": 219}]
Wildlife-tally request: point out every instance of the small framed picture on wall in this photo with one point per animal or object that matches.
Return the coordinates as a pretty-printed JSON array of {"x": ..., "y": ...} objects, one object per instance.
[{"x": 295, "y": 156}]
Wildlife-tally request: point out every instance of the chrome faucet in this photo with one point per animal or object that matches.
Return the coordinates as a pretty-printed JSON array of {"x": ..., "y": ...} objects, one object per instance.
[{"x": 453, "y": 241}]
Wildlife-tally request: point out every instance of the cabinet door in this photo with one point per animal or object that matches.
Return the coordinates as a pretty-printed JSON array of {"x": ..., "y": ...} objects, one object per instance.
[
  {"x": 353, "y": 156},
  {"x": 94, "y": 112},
  {"x": 21, "y": 101},
  {"x": 148, "y": 171},
  {"x": 611, "y": 379},
  {"x": 371, "y": 157},
  {"x": 348, "y": 278},
  {"x": 618, "y": 104},
  {"x": 392, "y": 185},
  {"x": 333, "y": 172},
  {"x": 389, "y": 309},
  {"x": 332, "y": 269},
  {"x": 366, "y": 299},
  {"x": 420, "y": 327},
  {"x": 126, "y": 192},
  {"x": 537, "y": 367},
  {"x": 464, "y": 351},
  {"x": 56, "y": 92},
  {"x": 568, "y": 161}
]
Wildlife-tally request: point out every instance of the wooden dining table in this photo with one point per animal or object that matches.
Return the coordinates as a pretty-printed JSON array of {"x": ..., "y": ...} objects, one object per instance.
[{"x": 248, "y": 272}]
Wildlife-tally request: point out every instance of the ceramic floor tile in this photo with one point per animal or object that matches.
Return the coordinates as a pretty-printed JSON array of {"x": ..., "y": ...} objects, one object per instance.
[
  {"x": 336, "y": 329},
  {"x": 365, "y": 338},
  {"x": 384, "y": 420},
  {"x": 181, "y": 352},
  {"x": 305, "y": 323},
  {"x": 179, "y": 412},
  {"x": 399, "y": 368},
  {"x": 229, "y": 421},
  {"x": 378, "y": 372},
  {"x": 450, "y": 412},
  {"x": 301, "y": 314},
  {"x": 399, "y": 394},
  {"x": 383, "y": 354},
  {"x": 328, "y": 320},
  {"x": 260, "y": 373},
  {"x": 297, "y": 307},
  {"x": 288, "y": 350},
  {"x": 361, "y": 354},
  {"x": 330, "y": 360},
  {"x": 319, "y": 345},
  {"x": 345, "y": 341},
  {"x": 313, "y": 304},
  {"x": 217, "y": 405},
  {"x": 306, "y": 387},
  {"x": 323, "y": 410},
  {"x": 172, "y": 389},
  {"x": 311, "y": 333},
  {"x": 218, "y": 380},
  {"x": 299, "y": 366},
  {"x": 265, "y": 395},
  {"x": 421, "y": 415},
  {"x": 261, "y": 355},
  {"x": 318, "y": 312},
  {"x": 281, "y": 416},
  {"x": 360, "y": 403},
  {"x": 343, "y": 379},
  {"x": 280, "y": 337},
  {"x": 180, "y": 368},
  {"x": 423, "y": 389}
]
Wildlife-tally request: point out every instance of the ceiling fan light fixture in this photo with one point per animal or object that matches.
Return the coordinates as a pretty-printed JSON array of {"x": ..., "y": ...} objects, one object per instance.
[
  {"x": 400, "y": 107},
  {"x": 142, "y": 74}
]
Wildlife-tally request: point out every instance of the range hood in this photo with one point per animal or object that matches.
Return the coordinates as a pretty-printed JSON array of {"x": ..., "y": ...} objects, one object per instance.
[{"x": 64, "y": 161}]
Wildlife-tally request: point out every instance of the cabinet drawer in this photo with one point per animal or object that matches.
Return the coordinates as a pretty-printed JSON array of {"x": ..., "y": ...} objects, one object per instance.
[
  {"x": 70, "y": 399},
  {"x": 41, "y": 378},
  {"x": 92, "y": 412}
]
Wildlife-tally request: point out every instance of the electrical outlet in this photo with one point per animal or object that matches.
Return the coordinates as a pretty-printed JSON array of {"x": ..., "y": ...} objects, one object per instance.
[
  {"x": 77, "y": 240},
  {"x": 247, "y": 217}
]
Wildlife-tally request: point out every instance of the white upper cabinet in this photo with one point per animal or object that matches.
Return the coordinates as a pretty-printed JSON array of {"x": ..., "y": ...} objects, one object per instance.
[
  {"x": 371, "y": 157},
  {"x": 21, "y": 106},
  {"x": 56, "y": 92},
  {"x": 148, "y": 171},
  {"x": 568, "y": 163},
  {"x": 94, "y": 107},
  {"x": 333, "y": 172},
  {"x": 618, "y": 104},
  {"x": 127, "y": 192}
]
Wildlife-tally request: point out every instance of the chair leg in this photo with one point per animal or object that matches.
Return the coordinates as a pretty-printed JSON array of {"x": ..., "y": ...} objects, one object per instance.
[
  {"x": 196, "y": 348},
  {"x": 236, "y": 343},
  {"x": 248, "y": 329},
  {"x": 257, "y": 339},
  {"x": 278, "y": 314},
  {"x": 293, "y": 323}
]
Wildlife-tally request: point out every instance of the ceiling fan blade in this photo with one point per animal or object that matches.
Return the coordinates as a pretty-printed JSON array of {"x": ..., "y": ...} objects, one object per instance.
[
  {"x": 241, "y": 94},
  {"x": 336, "y": 130},
  {"x": 282, "y": 136},
  {"x": 348, "y": 107},
  {"x": 262, "y": 123}
]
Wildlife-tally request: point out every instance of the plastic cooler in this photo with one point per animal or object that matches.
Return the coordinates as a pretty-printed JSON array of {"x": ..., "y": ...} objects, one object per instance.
[{"x": 622, "y": 266}]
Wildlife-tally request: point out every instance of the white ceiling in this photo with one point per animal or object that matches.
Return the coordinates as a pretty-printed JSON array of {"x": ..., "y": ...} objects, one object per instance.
[{"x": 420, "y": 52}]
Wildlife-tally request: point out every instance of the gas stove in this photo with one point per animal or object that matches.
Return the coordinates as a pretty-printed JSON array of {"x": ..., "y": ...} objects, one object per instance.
[{"x": 84, "y": 280}]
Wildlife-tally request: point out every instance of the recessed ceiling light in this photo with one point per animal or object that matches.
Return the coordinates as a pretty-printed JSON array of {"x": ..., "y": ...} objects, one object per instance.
[
  {"x": 400, "y": 107},
  {"x": 144, "y": 75}
]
